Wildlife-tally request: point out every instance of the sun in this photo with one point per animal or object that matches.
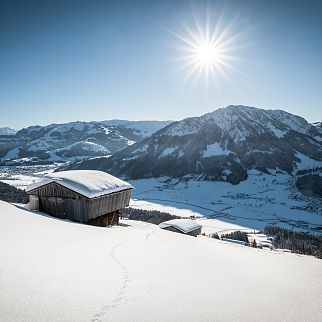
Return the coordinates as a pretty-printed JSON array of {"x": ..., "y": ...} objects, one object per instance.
[
  {"x": 207, "y": 49},
  {"x": 207, "y": 55}
]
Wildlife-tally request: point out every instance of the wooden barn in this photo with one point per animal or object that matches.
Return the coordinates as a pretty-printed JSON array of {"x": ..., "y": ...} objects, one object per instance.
[
  {"x": 85, "y": 196},
  {"x": 182, "y": 226}
]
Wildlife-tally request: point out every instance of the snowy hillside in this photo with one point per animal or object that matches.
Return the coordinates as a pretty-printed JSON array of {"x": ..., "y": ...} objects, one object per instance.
[
  {"x": 220, "y": 146},
  {"x": 73, "y": 141},
  {"x": 318, "y": 126},
  {"x": 53, "y": 270},
  {"x": 7, "y": 131},
  {"x": 143, "y": 128}
]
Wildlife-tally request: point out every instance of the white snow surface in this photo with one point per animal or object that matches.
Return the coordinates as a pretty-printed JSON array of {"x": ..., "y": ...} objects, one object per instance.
[
  {"x": 52, "y": 270},
  {"x": 137, "y": 153},
  {"x": 147, "y": 128},
  {"x": 184, "y": 225},
  {"x": 275, "y": 122},
  {"x": 185, "y": 127},
  {"x": 144, "y": 128},
  {"x": 7, "y": 131},
  {"x": 89, "y": 183},
  {"x": 168, "y": 151},
  {"x": 261, "y": 200},
  {"x": 306, "y": 162},
  {"x": 87, "y": 146},
  {"x": 275, "y": 131},
  {"x": 175, "y": 211},
  {"x": 215, "y": 149},
  {"x": 294, "y": 122},
  {"x": 12, "y": 154}
]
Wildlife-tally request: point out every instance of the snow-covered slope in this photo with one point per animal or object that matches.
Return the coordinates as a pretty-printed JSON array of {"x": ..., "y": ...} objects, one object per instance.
[
  {"x": 59, "y": 271},
  {"x": 221, "y": 145},
  {"x": 239, "y": 122},
  {"x": 73, "y": 141},
  {"x": 143, "y": 128},
  {"x": 7, "y": 131},
  {"x": 318, "y": 126}
]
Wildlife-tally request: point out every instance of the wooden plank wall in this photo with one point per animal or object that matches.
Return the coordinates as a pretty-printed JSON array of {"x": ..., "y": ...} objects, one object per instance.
[
  {"x": 108, "y": 203},
  {"x": 65, "y": 208},
  {"x": 62, "y": 202},
  {"x": 55, "y": 190}
]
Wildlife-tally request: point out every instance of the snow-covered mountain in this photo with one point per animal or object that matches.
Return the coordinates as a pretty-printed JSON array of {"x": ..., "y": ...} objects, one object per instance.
[
  {"x": 141, "y": 128},
  {"x": 221, "y": 145},
  {"x": 7, "y": 131},
  {"x": 73, "y": 141},
  {"x": 318, "y": 125}
]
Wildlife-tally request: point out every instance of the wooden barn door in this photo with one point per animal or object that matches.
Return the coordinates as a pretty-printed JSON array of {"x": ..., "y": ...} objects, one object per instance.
[{"x": 53, "y": 206}]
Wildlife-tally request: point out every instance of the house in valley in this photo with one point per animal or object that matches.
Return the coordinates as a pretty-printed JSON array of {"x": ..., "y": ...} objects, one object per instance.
[
  {"x": 183, "y": 226},
  {"x": 85, "y": 196}
]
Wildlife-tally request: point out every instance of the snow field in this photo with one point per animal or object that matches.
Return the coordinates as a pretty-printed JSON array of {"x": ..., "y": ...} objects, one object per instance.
[
  {"x": 260, "y": 200},
  {"x": 53, "y": 270}
]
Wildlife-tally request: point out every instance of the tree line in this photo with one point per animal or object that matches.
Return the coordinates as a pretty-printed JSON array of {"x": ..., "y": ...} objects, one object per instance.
[
  {"x": 151, "y": 216},
  {"x": 300, "y": 243},
  {"x": 12, "y": 194}
]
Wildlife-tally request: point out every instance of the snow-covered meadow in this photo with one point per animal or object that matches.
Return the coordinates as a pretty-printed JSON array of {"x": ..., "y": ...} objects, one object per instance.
[
  {"x": 52, "y": 270},
  {"x": 262, "y": 199},
  {"x": 22, "y": 176}
]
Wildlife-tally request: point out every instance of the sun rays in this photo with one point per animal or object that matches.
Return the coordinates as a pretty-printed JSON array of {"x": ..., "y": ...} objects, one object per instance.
[{"x": 207, "y": 49}]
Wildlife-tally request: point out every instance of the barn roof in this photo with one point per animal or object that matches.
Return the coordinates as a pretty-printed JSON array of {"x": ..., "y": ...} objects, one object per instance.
[
  {"x": 88, "y": 183},
  {"x": 184, "y": 225}
]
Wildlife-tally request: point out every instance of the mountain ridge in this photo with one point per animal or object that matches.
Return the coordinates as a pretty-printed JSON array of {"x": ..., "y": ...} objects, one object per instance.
[
  {"x": 6, "y": 130},
  {"x": 220, "y": 145},
  {"x": 72, "y": 141}
]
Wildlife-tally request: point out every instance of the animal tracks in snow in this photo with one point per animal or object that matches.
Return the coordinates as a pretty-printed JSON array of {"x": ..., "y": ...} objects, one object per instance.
[
  {"x": 148, "y": 235},
  {"x": 119, "y": 298}
]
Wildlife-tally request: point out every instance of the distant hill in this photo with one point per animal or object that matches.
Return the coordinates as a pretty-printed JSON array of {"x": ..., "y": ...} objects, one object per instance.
[
  {"x": 73, "y": 141},
  {"x": 7, "y": 131},
  {"x": 221, "y": 145}
]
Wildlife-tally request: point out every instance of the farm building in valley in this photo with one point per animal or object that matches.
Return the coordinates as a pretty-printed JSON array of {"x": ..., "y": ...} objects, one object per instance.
[
  {"x": 183, "y": 226},
  {"x": 85, "y": 196}
]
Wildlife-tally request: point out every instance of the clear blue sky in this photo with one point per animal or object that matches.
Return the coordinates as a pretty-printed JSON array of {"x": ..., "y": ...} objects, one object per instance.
[{"x": 92, "y": 60}]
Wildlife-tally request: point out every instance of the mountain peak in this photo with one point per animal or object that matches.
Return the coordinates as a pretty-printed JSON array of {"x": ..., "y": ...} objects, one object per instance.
[
  {"x": 241, "y": 121},
  {"x": 220, "y": 145}
]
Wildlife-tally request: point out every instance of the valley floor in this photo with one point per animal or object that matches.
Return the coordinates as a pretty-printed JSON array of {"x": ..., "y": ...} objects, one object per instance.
[
  {"x": 53, "y": 270},
  {"x": 262, "y": 199}
]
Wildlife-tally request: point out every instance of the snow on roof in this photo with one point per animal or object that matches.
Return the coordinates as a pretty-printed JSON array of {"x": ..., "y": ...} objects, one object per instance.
[
  {"x": 184, "y": 225},
  {"x": 88, "y": 183}
]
